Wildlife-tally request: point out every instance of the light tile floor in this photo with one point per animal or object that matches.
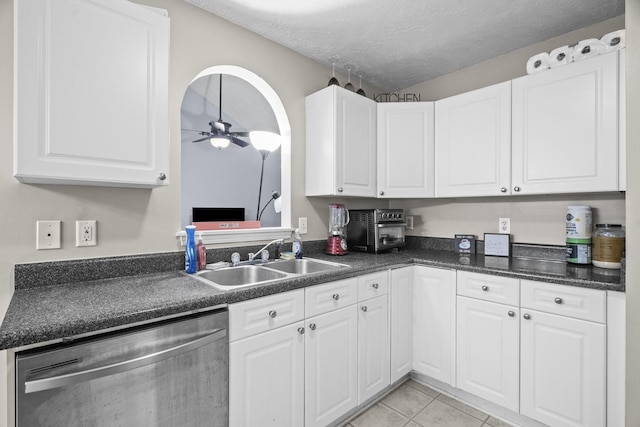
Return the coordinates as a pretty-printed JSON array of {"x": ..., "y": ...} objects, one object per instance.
[{"x": 415, "y": 405}]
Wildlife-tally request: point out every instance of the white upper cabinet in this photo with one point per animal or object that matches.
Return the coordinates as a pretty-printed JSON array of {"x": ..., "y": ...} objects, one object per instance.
[
  {"x": 405, "y": 149},
  {"x": 473, "y": 149},
  {"x": 622, "y": 123},
  {"x": 91, "y": 93},
  {"x": 340, "y": 144},
  {"x": 565, "y": 128}
]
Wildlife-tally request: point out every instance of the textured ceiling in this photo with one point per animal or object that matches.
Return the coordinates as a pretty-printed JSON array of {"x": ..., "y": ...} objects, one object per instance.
[{"x": 396, "y": 44}]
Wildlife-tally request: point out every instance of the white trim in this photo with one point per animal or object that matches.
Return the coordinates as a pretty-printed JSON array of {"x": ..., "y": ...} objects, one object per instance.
[{"x": 234, "y": 236}]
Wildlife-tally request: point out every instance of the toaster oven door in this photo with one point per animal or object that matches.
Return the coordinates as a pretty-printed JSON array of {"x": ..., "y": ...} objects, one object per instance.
[{"x": 390, "y": 236}]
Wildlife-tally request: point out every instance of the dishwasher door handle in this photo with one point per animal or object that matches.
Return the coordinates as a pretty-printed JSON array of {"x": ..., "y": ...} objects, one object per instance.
[{"x": 116, "y": 368}]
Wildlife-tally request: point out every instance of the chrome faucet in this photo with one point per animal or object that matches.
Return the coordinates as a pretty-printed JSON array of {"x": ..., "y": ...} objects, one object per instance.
[{"x": 276, "y": 242}]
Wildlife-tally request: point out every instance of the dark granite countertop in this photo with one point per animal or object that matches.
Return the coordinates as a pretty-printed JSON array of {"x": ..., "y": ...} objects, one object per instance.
[{"x": 42, "y": 312}]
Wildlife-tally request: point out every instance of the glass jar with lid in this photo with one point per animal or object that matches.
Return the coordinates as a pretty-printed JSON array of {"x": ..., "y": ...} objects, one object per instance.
[{"x": 608, "y": 245}]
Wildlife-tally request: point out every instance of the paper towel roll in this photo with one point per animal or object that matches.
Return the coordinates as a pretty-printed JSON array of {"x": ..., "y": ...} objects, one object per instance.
[
  {"x": 537, "y": 63},
  {"x": 562, "y": 55},
  {"x": 588, "y": 49},
  {"x": 615, "y": 40}
]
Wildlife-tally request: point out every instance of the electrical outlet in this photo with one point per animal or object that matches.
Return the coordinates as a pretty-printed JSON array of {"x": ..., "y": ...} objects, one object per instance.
[
  {"x": 302, "y": 225},
  {"x": 504, "y": 225},
  {"x": 409, "y": 222},
  {"x": 48, "y": 235},
  {"x": 86, "y": 233}
]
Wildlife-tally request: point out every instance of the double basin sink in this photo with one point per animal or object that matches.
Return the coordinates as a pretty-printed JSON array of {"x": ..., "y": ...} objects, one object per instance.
[{"x": 260, "y": 273}]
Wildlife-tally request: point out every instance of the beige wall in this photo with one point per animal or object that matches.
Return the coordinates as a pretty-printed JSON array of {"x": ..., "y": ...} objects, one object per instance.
[{"x": 135, "y": 221}]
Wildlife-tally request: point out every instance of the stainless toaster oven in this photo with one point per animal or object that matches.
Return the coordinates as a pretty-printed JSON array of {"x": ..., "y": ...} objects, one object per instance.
[{"x": 375, "y": 230}]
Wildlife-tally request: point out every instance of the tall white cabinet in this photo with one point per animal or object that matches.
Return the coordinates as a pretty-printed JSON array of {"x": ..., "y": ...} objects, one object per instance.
[
  {"x": 565, "y": 128},
  {"x": 340, "y": 144},
  {"x": 473, "y": 149},
  {"x": 405, "y": 149},
  {"x": 91, "y": 93}
]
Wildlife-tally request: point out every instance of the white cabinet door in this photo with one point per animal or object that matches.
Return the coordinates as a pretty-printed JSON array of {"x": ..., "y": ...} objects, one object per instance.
[
  {"x": 373, "y": 347},
  {"x": 401, "y": 322},
  {"x": 622, "y": 123},
  {"x": 562, "y": 375},
  {"x": 405, "y": 149},
  {"x": 331, "y": 361},
  {"x": 340, "y": 144},
  {"x": 488, "y": 347},
  {"x": 473, "y": 143},
  {"x": 266, "y": 378},
  {"x": 433, "y": 322},
  {"x": 565, "y": 128},
  {"x": 91, "y": 93}
]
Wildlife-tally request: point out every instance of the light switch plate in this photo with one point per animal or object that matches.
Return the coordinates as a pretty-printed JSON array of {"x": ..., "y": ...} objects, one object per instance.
[{"x": 302, "y": 225}]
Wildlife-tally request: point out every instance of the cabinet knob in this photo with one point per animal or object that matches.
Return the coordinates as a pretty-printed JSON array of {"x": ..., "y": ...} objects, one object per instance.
[
  {"x": 382, "y": 193},
  {"x": 336, "y": 297},
  {"x": 312, "y": 326},
  {"x": 503, "y": 189},
  {"x": 526, "y": 316},
  {"x": 364, "y": 308},
  {"x": 485, "y": 288},
  {"x": 162, "y": 176},
  {"x": 340, "y": 190},
  {"x": 511, "y": 313},
  {"x": 558, "y": 300},
  {"x": 516, "y": 189},
  {"x": 301, "y": 330},
  {"x": 273, "y": 313},
  {"x": 375, "y": 286}
]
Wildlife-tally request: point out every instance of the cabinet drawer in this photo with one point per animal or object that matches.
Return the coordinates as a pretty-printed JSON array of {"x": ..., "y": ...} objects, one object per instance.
[
  {"x": 373, "y": 285},
  {"x": 503, "y": 290},
  {"x": 262, "y": 314},
  {"x": 579, "y": 303},
  {"x": 330, "y": 296}
]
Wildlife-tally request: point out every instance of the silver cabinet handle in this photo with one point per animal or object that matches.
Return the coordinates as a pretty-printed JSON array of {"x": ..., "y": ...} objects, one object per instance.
[
  {"x": 162, "y": 176},
  {"x": 364, "y": 308},
  {"x": 301, "y": 330},
  {"x": 382, "y": 193},
  {"x": 485, "y": 288},
  {"x": 125, "y": 365},
  {"x": 312, "y": 326},
  {"x": 516, "y": 189},
  {"x": 340, "y": 190},
  {"x": 336, "y": 297},
  {"x": 375, "y": 286},
  {"x": 511, "y": 313},
  {"x": 558, "y": 300},
  {"x": 273, "y": 313},
  {"x": 526, "y": 316},
  {"x": 503, "y": 189}
]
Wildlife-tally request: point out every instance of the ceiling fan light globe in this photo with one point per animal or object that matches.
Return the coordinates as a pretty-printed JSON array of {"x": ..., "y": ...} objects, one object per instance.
[
  {"x": 265, "y": 141},
  {"x": 219, "y": 142}
]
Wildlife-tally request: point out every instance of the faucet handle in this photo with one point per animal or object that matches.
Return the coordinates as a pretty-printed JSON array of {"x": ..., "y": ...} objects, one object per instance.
[
  {"x": 235, "y": 258},
  {"x": 264, "y": 255}
]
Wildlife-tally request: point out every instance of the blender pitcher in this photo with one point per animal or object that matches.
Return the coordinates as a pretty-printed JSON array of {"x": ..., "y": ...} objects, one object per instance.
[{"x": 338, "y": 220}]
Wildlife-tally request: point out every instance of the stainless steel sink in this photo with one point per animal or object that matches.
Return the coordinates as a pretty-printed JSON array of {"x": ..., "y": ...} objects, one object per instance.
[
  {"x": 249, "y": 275},
  {"x": 245, "y": 275},
  {"x": 303, "y": 266}
]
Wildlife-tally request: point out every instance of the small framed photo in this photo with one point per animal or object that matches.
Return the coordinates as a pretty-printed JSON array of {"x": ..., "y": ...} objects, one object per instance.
[
  {"x": 497, "y": 244},
  {"x": 465, "y": 244}
]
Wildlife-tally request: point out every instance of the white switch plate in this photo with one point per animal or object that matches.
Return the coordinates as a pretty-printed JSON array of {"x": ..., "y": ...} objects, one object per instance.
[
  {"x": 47, "y": 235},
  {"x": 409, "y": 222},
  {"x": 504, "y": 225},
  {"x": 302, "y": 225},
  {"x": 86, "y": 233}
]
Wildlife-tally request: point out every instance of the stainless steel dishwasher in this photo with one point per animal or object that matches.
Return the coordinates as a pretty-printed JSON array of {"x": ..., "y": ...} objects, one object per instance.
[{"x": 172, "y": 373}]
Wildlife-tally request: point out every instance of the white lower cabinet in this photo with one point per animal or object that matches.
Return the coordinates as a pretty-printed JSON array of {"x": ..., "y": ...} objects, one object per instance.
[
  {"x": 433, "y": 322},
  {"x": 401, "y": 322},
  {"x": 373, "y": 347},
  {"x": 266, "y": 373},
  {"x": 331, "y": 376},
  {"x": 487, "y": 351}
]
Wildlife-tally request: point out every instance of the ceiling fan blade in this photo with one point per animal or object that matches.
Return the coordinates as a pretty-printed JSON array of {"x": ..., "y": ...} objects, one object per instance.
[
  {"x": 202, "y": 139},
  {"x": 238, "y": 142},
  {"x": 240, "y": 134}
]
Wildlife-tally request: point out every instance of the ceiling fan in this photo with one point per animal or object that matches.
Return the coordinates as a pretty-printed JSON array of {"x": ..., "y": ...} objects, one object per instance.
[{"x": 220, "y": 135}]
